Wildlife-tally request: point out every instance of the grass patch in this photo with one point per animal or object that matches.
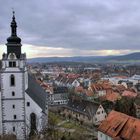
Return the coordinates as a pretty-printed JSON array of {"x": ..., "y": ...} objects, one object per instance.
[
  {"x": 54, "y": 117},
  {"x": 70, "y": 129},
  {"x": 73, "y": 125}
]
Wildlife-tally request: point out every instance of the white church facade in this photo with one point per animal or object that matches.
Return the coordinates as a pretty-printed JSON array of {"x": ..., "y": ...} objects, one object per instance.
[{"x": 23, "y": 103}]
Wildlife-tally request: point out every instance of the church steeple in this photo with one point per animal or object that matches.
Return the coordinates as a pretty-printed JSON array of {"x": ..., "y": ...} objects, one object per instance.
[
  {"x": 13, "y": 26},
  {"x": 14, "y": 42}
]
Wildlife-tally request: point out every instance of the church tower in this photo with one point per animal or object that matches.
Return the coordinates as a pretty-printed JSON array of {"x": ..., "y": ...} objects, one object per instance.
[
  {"x": 23, "y": 102},
  {"x": 13, "y": 85}
]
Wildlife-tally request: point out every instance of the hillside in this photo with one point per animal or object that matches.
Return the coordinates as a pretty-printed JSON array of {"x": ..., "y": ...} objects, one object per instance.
[{"x": 133, "y": 57}]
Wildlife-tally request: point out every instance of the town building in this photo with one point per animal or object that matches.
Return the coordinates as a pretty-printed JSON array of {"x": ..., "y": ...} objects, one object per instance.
[
  {"x": 84, "y": 111},
  {"x": 23, "y": 103},
  {"x": 59, "y": 96},
  {"x": 70, "y": 82},
  {"x": 119, "y": 126}
]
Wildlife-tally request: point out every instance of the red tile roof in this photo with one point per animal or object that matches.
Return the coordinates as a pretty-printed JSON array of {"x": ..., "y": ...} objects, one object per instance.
[
  {"x": 121, "y": 125},
  {"x": 110, "y": 96},
  {"x": 89, "y": 93},
  {"x": 73, "y": 76},
  {"x": 79, "y": 89},
  {"x": 122, "y": 77},
  {"x": 119, "y": 88},
  {"x": 129, "y": 93},
  {"x": 101, "y": 86}
]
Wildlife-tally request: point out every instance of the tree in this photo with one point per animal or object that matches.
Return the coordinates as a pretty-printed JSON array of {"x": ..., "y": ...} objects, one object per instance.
[
  {"x": 52, "y": 132},
  {"x": 107, "y": 104},
  {"x": 69, "y": 116},
  {"x": 126, "y": 105},
  {"x": 63, "y": 138}
]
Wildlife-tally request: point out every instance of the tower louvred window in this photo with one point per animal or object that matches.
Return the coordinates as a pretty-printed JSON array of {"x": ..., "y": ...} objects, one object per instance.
[
  {"x": 12, "y": 64},
  {"x": 12, "y": 80}
]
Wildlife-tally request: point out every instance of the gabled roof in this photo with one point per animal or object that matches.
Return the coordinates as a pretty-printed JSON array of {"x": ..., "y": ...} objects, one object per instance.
[
  {"x": 36, "y": 92},
  {"x": 121, "y": 125},
  {"x": 70, "y": 80},
  {"x": 58, "y": 78},
  {"x": 84, "y": 107},
  {"x": 101, "y": 86},
  {"x": 64, "y": 80},
  {"x": 111, "y": 96}
]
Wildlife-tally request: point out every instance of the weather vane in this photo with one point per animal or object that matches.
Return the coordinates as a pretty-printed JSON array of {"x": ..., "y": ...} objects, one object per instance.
[{"x": 13, "y": 11}]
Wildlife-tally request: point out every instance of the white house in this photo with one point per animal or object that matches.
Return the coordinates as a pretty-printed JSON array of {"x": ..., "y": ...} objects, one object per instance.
[
  {"x": 89, "y": 112},
  {"x": 23, "y": 103},
  {"x": 72, "y": 83}
]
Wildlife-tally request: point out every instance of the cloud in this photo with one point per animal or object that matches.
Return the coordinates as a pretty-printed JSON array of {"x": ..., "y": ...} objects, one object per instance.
[
  {"x": 77, "y": 26},
  {"x": 45, "y": 51}
]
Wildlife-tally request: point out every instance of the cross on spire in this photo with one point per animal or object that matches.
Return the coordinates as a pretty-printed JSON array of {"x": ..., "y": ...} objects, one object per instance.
[{"x": 13, "y": 12}]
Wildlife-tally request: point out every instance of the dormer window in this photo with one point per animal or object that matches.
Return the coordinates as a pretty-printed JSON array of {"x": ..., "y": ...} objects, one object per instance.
[{"x": 12, "y": 64}]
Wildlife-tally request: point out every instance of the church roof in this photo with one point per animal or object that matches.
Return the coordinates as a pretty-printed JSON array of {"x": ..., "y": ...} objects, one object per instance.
[{"x": 36, "y": 92}]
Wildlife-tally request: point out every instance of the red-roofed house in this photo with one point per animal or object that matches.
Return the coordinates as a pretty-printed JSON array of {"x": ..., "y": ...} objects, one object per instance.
[
  {"x": 98, "y": 89},
  {"x": 67, "y": 81},
  {"x": 79, "y": 89},
  {"x": 129, "y": 93},
  {"x": 111, "y": 96},
  {"x": 119, "y": 126}
]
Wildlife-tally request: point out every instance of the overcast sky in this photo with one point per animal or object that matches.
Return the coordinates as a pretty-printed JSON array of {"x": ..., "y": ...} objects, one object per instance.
[{"x": 73, "y": 27}]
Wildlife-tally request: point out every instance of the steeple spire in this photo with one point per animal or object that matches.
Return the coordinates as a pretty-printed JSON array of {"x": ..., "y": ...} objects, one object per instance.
[
  {"x": 13, "y": 25},
  {"x": 14, "y": 42}
]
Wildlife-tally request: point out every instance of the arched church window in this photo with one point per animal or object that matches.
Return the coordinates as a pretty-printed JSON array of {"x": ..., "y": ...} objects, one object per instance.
[
  {"x": 12, "y": 80},
  {"x": 32, "y": 123}
]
